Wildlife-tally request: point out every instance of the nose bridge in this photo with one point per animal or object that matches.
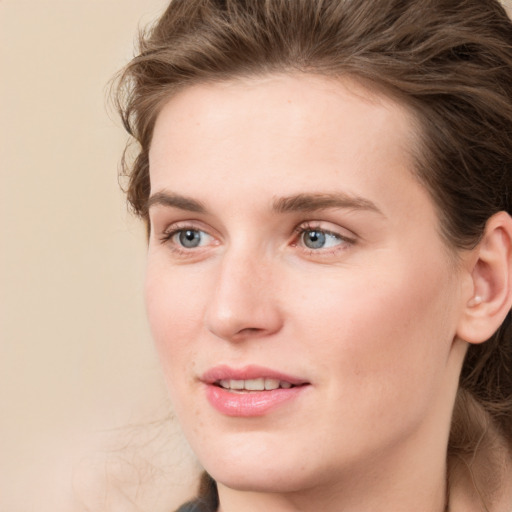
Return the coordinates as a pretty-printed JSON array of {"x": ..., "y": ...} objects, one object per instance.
[{"x": 244, "y": 302}]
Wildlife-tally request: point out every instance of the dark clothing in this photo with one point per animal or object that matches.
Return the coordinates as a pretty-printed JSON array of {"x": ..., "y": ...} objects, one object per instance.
[
  {"x": 197, "y": 506},
  {"x": 208, "y": 498}
]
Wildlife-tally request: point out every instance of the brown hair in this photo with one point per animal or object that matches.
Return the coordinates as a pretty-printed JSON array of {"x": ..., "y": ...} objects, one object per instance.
[{"x": 449, "y": 61}]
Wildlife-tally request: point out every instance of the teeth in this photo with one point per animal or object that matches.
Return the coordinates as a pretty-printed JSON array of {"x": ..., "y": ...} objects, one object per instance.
[
  {"x": 271, "y": 384},
  {"x": 236, "y": 384},
  {"x": 254, "y": 384}
]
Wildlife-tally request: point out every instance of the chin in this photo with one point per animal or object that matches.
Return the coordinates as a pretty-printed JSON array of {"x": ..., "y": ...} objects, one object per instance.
[
  {"x": 254, "y": 469},
  {"x": 261, "y": 480}
]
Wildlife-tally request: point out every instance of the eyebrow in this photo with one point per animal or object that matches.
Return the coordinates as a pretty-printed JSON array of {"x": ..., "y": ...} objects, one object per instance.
[
  {"x": 315, "y": 202},
  {"x": 176, "y": 201},
  {"x": 289, "y": 204}
]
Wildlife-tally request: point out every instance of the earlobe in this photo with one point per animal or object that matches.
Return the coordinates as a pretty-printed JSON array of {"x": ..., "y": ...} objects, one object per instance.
[{"x": 491, "y": 277}]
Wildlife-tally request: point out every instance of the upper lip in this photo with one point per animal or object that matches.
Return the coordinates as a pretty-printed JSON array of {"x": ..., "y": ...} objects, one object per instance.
[{"x": 224, "y": 372}]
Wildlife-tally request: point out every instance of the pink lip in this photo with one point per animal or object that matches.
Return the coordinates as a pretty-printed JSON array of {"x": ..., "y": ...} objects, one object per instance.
[
  {"x": 250, "y": 403},
  {"x": 222, "y": 372}
]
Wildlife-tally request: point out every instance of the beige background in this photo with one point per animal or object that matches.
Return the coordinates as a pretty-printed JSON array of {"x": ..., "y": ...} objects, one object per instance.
[
  {"x": 82, "y": 406},
  {"x": 80, "y": 384}
]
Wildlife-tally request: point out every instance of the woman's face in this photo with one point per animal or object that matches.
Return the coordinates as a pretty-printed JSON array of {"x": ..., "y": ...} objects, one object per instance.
[{"x": 302, "y": 301}]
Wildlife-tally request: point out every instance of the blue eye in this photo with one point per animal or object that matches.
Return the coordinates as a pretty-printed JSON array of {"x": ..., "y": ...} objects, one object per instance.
[
  {"x": 190, "y": 238},
  {"x": 317, "y": 239}
]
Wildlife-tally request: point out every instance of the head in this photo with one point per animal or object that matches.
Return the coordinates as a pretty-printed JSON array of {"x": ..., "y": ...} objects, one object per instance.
[{"x": 438, "y": 72}]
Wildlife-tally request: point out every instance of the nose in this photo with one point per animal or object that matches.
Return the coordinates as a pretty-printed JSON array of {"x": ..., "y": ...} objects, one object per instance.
[{"x": 245, "y": 302}]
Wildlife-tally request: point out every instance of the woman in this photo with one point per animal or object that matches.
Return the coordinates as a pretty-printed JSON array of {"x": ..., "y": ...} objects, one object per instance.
[{"x": 326, "y": 187}]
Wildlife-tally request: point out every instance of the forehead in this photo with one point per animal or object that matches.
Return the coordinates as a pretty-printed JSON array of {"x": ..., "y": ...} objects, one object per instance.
[
  {"x": 307, "y": 100},
  {"x": 281, "y": 132}
]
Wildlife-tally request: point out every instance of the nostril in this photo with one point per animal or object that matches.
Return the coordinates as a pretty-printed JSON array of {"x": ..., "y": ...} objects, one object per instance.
[{"x": 250, "y": 330}]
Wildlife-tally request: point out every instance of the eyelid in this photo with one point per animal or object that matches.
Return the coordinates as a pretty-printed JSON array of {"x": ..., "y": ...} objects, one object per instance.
[
  {"x": 325, "y": 227},
  {"x": 165, "y": 228}
]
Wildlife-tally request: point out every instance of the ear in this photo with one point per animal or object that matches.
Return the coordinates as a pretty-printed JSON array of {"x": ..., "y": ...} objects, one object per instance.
[{"x": 491, "y": 277}]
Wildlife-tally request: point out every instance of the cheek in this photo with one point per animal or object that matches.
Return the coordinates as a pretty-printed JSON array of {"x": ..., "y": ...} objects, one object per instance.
[
  {"x": 381, "y": 337},
  {"x": 174, "y": 304}
]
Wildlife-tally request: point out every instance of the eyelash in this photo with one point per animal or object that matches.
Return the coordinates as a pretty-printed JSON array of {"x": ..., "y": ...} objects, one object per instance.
[{"x": 299, "y": 231}]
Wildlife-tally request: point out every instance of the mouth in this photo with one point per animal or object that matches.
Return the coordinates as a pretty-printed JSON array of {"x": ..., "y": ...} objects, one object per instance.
[
  {"x": 251, "y": 385},
  {"x": 250, "y": 378},
  {"x": 250, "y": 391}
]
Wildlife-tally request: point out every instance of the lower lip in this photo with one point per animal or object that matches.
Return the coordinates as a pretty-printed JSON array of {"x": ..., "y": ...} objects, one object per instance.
[{"x": 249, "y": 403}]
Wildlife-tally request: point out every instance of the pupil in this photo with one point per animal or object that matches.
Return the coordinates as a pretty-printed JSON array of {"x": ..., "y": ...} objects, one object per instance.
[
  {"x": 190, "y": 238},
  {"x": 314, "y": 239}
]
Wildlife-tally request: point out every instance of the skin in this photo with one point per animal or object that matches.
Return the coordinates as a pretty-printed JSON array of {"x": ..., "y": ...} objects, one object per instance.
[{"x": 370, "y": 321}]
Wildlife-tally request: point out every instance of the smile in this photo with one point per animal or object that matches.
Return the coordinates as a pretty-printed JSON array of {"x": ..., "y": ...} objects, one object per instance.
[
  {"x": 251, "y": 391},
  {"x": 260, "y": 384}
]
